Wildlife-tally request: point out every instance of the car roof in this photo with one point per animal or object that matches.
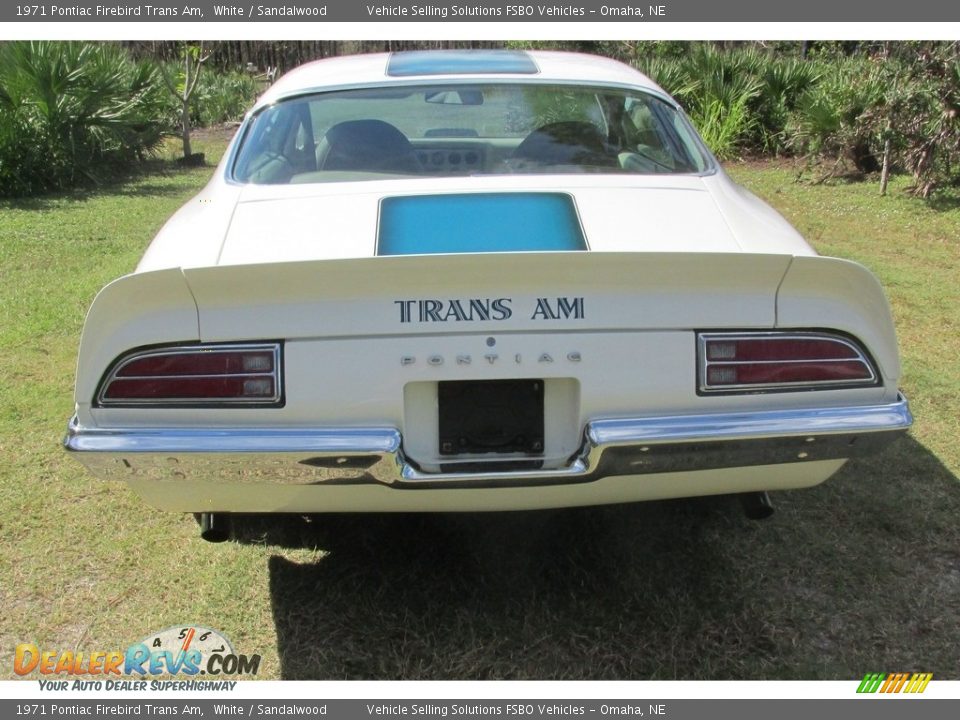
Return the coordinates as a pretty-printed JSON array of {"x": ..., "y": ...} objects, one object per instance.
[{"x": 454, "y": 65}]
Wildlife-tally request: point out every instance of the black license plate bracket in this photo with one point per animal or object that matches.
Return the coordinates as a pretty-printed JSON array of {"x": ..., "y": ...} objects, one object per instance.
[{"x": 491, "y": 416}]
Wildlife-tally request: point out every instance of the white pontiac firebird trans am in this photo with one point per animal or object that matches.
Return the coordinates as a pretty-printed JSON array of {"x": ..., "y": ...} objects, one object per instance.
[{"x": 488, "y": 280}]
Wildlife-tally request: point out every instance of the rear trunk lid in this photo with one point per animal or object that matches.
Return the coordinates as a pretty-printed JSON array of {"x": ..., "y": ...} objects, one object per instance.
[
  {"x": 515, "y": 292},
  {"x": 345, "y": 220}
]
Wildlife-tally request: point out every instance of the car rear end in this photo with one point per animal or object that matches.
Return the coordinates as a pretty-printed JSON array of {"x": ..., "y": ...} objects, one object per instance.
[
  {"x": 482, "y": 292},
  {"x": 521, "y": 381}
]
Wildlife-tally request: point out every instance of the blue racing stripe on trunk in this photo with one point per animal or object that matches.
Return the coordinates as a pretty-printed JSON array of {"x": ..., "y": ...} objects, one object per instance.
[{"x": 479, "y": 223}]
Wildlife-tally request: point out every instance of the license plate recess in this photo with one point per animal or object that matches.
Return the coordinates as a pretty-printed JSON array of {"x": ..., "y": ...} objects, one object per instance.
[{"x": 490, "y": 416}]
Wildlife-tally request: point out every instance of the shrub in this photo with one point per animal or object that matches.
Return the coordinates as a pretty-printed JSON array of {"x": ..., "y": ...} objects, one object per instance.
[
  {"x": 849, "y": 105},
  {"x": 220, "y": 96},
  {"x": 840, "y": 117},
  {"x": 223, "y": 97},
  {"x": 717, "y": 89},
  {"x": 785, "y": 84},
  {"x": 72, "y": 113},
  {"x": 922, "y": 117}
]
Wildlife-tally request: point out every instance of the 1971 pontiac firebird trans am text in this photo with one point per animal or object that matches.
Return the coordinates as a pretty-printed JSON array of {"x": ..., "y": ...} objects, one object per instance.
[{"x": 477, "y": 281}]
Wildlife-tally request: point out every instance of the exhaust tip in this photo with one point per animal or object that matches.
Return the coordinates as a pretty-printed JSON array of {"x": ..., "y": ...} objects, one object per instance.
[
  {"x": 756, "y": 505},
  {"x": 214, "y": 527}
]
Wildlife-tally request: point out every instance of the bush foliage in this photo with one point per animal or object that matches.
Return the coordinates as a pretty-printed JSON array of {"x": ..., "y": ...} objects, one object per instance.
[
  {"x": 223, "y": 97},
  {"x": 844, "y": 107},
  {"x": 75, "y": 113},
  {"x": 72, "y": 113}
]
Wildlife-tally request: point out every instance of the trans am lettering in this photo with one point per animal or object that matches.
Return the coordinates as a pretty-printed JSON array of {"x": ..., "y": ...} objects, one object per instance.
[
  {"x": 560, "y": 309},
  {"x": 489, "y": 309},
  {"x": 454, "y": 310}
]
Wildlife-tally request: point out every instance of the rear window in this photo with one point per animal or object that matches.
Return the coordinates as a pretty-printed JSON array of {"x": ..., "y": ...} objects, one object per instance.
[{"x": 457, "y": 129}]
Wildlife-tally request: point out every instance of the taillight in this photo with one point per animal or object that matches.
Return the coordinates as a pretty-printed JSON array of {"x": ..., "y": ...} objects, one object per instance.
[
  {"x": 752, "y": 362},
  {"x": 196, "y": 375}
]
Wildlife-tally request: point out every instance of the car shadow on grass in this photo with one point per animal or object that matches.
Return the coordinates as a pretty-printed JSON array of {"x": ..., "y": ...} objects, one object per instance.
[{"x": 859, "y": 574}]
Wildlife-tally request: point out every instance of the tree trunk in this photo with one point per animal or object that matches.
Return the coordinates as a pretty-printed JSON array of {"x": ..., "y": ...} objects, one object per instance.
[
  {"x": 185, "y": 127},
  {"x": 185, "y": 104},
  {"x": 885, "y": 170}
]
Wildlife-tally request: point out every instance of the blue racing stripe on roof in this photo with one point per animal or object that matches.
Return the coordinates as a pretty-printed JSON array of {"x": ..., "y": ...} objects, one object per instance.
[
  {"x": 479, "y": 223},
  {"x": 460, "y": 62}
]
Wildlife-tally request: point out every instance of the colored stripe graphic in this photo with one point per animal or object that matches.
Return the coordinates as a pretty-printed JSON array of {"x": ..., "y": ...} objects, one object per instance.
[
  {"x": 870, "y": 683},
  {"x": 479, "y": 223},
  {"x": 894, "y": 682},
  {"x": 919, "y": 682}
]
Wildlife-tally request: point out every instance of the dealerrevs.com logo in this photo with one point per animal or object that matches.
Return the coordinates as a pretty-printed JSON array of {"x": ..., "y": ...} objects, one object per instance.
[{"x": 190, "y": 650}]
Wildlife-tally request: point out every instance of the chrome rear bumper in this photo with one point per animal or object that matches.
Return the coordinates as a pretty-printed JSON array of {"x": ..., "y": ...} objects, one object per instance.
[{"x": 353, "y": 456}]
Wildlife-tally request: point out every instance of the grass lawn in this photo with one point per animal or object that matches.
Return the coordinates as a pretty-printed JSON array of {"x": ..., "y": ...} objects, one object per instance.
[{"x": 861, "y": 574}]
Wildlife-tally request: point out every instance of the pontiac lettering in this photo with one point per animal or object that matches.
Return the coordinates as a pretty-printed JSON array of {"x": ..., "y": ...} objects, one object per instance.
[
  {"x": 543, "y": 358},
  {"x": 486, "y": 309}
]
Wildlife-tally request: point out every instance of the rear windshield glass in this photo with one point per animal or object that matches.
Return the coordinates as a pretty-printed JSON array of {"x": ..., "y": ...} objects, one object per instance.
[{"x": 444, "y": 130}]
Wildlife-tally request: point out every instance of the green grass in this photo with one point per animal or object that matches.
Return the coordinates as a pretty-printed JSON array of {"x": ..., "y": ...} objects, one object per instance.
[
  {"x": 859, "y": 574},
  {"x": 914, "y": 248}
]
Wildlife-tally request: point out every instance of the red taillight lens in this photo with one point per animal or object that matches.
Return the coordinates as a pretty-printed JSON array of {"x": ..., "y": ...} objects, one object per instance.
[
  {"x": 210, "y": 362},
  {"x": 196, "y": 375},
  {"x": 781, "y": 361}
]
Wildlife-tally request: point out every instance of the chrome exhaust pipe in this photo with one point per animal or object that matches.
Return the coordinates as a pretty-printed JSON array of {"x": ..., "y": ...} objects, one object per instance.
[
  {"x": 214, "y": 527},
  {"x": 756, "y": 505}
]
